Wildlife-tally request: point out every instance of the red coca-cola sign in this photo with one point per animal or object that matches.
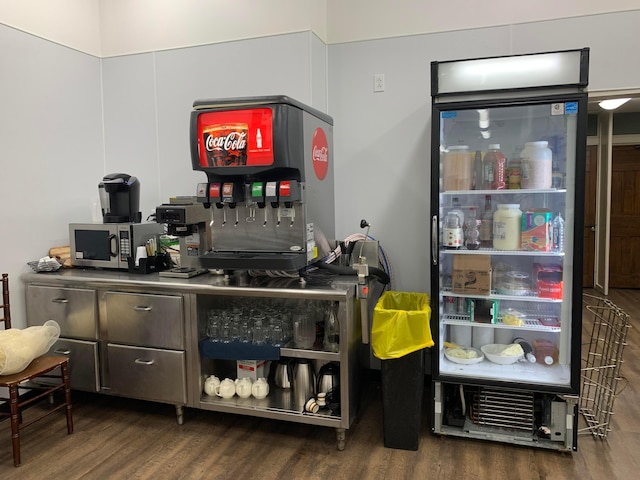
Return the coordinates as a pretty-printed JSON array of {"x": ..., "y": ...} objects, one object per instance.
[
  {"x": 236, "y": 138},
  {"x": 320, "y": 153}
]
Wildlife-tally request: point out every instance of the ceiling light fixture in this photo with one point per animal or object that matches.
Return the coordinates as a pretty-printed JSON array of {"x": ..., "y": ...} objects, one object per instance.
[{"x": 613, "y": 103}]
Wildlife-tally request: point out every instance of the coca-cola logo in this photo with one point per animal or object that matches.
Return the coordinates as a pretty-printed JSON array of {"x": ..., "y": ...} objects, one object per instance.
[
  {"x": 320, "y": 154},
  {"x": 233, "y": 141}
]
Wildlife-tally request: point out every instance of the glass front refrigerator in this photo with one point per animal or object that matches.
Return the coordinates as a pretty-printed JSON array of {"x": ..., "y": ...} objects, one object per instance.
[{"x": 508, "y": 163}]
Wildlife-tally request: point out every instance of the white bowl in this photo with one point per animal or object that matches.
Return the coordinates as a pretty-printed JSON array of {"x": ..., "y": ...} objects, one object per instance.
[
  {"x": 462, "y": 360},
  {"x": 495, "y": 353}
]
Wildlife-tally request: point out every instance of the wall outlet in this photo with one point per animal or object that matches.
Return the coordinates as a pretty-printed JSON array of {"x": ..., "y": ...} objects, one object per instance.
[{"x": 378, "y": 82}]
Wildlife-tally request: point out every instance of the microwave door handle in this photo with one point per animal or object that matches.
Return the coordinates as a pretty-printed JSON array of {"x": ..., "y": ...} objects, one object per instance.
[{"x": 113, "y": 241}]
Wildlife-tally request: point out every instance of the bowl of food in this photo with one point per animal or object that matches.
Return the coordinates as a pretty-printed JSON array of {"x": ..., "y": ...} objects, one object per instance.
[
  {"x": 463, "y": 355},
  {"x": 503, "y": 354}
]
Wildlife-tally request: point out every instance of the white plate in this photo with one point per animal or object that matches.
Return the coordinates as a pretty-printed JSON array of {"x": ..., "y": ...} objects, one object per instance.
[
  {"x": 493, "y": 351},
  {"x": 465, "y": 361}
]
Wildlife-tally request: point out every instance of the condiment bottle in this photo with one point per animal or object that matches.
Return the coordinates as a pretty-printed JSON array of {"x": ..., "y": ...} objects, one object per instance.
[
  {"x": 472, "y": 235},
  {"x": 526, "y": 347},
  {"x": 507, "y": 226},
  {"x": 545, "y": 352},
  {"x": 452, "y": 236},
  {"x": 495, "y": 168},
  {"x": 477, "y": 171},
  {"x": 486, "y": 224},
  {"x": 537, "y": 166}
]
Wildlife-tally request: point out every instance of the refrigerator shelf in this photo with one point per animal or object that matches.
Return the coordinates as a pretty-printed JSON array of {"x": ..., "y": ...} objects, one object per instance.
[
  {"x": 458, "y": 193},
  {"x": 532, "y": 324},
  {"x": 496, "y": 252},
  {"x": 447, "y": 292},
  {"x": 520, "y": 372}
]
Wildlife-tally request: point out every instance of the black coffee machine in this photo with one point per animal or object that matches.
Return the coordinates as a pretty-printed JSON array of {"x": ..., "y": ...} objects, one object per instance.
[{"x": 120, "y": 198}]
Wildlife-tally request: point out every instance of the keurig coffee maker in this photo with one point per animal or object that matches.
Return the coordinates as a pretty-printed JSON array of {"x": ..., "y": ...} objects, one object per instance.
[{"x": 120, "y": 198}]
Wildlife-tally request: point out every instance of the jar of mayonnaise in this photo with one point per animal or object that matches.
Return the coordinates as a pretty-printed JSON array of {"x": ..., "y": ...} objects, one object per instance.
[
  {"x": 537, "y": 169},
  {"x": 507, "y": 226}
]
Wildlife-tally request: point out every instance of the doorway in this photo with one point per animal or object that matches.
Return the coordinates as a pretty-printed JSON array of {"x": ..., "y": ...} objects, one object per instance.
[{"x": 624, "y": 256}]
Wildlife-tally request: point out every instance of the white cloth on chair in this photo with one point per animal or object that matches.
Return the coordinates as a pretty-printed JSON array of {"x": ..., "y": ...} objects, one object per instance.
[{"x": 18, "y": 348}]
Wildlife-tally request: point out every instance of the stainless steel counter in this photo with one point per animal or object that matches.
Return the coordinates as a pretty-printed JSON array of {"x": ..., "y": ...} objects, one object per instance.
[{"x": 124, "y": 359}]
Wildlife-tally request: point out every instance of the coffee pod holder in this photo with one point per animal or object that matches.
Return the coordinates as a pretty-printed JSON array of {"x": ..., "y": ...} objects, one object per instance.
[{"x": 148, "y": 265}]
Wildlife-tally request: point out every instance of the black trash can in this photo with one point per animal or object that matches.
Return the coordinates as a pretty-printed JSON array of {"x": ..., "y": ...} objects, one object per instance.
[
  {"x": 402, "y": 390},
  {"x": 399, "y": 336}
]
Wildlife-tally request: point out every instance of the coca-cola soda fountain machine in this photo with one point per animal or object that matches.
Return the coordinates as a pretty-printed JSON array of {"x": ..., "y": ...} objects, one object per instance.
[{"x": 269, "y": 188}]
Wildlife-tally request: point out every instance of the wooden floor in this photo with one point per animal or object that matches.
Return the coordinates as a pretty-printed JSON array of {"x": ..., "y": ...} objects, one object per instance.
[{"x": 127, "y": 439}]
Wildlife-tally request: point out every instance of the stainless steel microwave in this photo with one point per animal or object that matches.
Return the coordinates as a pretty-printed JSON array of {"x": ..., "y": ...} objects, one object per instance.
[{"x": 108, "y": 245}]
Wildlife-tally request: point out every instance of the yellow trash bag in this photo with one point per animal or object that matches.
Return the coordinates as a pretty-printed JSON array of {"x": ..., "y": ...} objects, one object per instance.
[{"x": 401, "y": 324}]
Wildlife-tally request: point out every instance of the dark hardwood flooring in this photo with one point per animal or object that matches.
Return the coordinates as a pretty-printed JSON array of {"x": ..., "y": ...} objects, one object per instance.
[{"x": 117, "y": 438}]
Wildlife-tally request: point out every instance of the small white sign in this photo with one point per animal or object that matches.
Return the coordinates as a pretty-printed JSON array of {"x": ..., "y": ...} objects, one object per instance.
[{"x": 557, "y": 109}]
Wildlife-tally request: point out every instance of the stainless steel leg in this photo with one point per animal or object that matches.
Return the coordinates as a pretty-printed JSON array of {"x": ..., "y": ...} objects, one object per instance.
[
  {"x": 180, "y": 414},
  {"x": 341, "y": 435}
]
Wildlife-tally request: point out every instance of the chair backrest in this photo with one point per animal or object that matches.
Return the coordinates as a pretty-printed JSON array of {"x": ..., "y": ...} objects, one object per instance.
[{"x": 6, "y": 311}]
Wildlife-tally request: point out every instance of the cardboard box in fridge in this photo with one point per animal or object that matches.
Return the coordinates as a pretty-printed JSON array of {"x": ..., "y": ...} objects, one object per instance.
[
  {"x": 253, "y": 369},
  {"x": 472, "y": 274}
]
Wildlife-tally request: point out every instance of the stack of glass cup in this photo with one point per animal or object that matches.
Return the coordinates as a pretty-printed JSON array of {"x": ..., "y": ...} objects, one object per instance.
[{"x": 260, "y": 321}]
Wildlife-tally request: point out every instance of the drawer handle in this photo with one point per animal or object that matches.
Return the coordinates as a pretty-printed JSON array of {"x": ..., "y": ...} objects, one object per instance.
[
  {"x": 140, "y": 361},
  {"x": 142, "y": 309},
  {"x": 62, "y": 352},
  {"x": 60, "y": 300}
]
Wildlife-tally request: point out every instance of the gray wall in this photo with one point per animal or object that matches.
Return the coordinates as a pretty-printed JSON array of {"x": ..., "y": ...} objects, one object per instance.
[{"x": 68, "y": 118}]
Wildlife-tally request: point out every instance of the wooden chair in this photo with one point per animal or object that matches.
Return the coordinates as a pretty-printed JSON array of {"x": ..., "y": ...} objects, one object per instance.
[{"x": 24, "y": 388}]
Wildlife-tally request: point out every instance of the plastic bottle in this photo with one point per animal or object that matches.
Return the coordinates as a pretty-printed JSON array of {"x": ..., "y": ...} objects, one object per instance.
[
  {"x": 545, "y": 352},
  {"x": 507, "y": 226},
  {"x": 558, "y": 234},
  {"x": 526, "y": 347},
  {"x": 331, "y": 341},
  {"x": 458, "y": 210},
  {"x": 486, "y": 224},
  {"x": 495, "y": 168},
  {"x": 477, "y": 171},
  {"x": 537, "y": 165},
  {"x": 472, "y": 235},
  {"x": 452, "y": 236}
]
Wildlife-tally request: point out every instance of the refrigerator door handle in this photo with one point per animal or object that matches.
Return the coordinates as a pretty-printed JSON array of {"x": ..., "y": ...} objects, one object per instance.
[{"x": 434, "y": 240}]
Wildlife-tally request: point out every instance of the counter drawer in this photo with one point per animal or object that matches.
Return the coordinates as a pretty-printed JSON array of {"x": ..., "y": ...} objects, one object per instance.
[
  {"x": 140, "y": 319},
  {"x": 75, "y": 309},
  {"x": 147, "y": 373},
  {"x": 83, "y": 362}
]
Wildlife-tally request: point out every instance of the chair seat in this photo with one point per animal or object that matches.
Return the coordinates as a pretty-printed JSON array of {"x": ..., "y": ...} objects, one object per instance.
[{"x": 36, "y": 368}]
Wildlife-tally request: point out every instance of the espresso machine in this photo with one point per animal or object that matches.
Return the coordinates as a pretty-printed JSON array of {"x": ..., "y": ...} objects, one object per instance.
[
  {"x": 187, "y": 220},
  {"x": 120, "y": 198},
  {"x": 269, "y": 189}
]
